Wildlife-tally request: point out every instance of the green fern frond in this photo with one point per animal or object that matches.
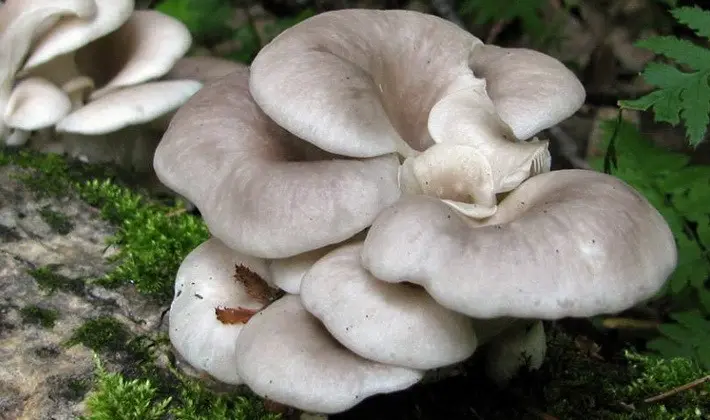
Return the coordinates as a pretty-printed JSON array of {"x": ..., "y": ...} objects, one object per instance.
[{"x": 680, "y": 95}]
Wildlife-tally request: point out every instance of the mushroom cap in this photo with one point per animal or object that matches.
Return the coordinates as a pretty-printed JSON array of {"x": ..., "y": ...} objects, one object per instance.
[
  {"x": 205, "y": 283},
  {"x": 129, "y": 106},
  {"x": 20, "y": 22},
  {"x": 396, "y": 324},
  {"x": 36, "y": 103},
  {"x": 261, "y": 190},
  {"x": 71, "y": 33},
  {"x": 569, "y": 243},
  {"x": 144, "y": 48},
  {"x": 287, "y": 356},
  {"x": 348, "y": 67},
  {"x": 531, "y": 90},
  {"x": 363, "y": 83}
]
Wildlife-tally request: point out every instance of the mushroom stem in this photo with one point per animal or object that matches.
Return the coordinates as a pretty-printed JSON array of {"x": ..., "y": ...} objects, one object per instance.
[{"x": 18, "y": 137}]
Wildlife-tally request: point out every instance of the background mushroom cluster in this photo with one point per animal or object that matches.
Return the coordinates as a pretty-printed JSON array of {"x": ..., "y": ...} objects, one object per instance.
[
  {"x": 87, "y": 78},
  {"x": 380, "y": 209}
]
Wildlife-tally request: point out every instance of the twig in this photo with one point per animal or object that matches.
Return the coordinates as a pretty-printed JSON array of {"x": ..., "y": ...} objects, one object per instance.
[
  {"x": 677, "y": 390},
  {"x": 618, "y": 323},
  {"x": 495, "y": 30}
]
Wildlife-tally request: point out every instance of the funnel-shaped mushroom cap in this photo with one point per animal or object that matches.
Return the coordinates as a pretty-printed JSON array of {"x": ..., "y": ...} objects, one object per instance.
[
  {"x": 72, "y": 33},
  {"x": 212, "y": 303},
  {"x": 287, "y": 356},
  {"x": 360, "y": 82},
  {"x": 144, "y": 48},
  {"x": 20, "y": 23},
  {"x": 363, "y": 82},
  {"x": 531, "y": 91},
  {"x": 396, "y": 324},
  {"x": 129, "y": 106},
  {"x": 259, "y": 188},
  {"x": 568, "y": 243},
  {"x": 35, "y": 104}
]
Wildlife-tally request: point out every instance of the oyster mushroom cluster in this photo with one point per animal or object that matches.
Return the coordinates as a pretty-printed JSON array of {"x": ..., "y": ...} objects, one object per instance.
[
  {"x": 378, "y": 211},
  {"x": 83, "y": 77}
]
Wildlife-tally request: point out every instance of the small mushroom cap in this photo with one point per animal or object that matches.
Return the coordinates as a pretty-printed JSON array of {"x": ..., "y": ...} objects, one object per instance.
[
  {"x": 144, "y": 48},
  {"x": 205, "y": 285},
  {"x": 72, "y": 33},
  {"x": 569, "y": 243},
  {"x": 287, "y": 356},
  {"x": 531, "y": 90},
  {"x": 396, "y": 324},
  {"x": 129, "y": 106},
  {"x": 261, "y": 190},
  {"x": 36, "y": 103}
]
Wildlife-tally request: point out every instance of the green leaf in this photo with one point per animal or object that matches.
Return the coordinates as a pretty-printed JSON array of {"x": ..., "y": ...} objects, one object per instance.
[
  {"x": 680, "y": 50},
  {"x": 680, "y": 96},
  {"x": 695, "y": 18}
]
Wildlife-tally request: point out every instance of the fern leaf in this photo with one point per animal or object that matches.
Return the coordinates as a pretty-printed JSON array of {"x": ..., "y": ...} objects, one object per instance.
[
  {"x": 680, "y": 96},
  {"x": 694, "y": 18},
  {"x": 679, "y": 50}
]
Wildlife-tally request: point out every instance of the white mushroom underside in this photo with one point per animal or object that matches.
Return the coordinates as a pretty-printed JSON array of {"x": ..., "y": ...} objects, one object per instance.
[{"x": 286, "y": 355}]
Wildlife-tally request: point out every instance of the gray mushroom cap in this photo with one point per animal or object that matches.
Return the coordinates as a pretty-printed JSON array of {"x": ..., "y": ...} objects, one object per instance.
[
  {"x": 396, "y": 324},
  {"x": 567, "y": 243},
  {"x": 261, "y": 190},
  {"x": 287, "y": 356}
]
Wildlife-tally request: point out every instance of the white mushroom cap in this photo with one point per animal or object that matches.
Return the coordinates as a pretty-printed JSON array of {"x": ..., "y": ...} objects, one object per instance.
[
  {"x": 390, "y": 68},
  {"x": 287, "y": 356},
  {"x": 261, "y": 190},
  {"x": 360, "y": 82},
  {"x": 567, "y": 243},
  {"x": 36, "y": 103},
  {"x": 396, "y": 324},
  {"x": 144, "y": 48},
  {"x": 20, "y": 22},
  {"x": 517, "y": 348},
  {"x": 364, "y": 83},
  {"x": 72, "y": 33},
  {"x": 531, "y": 90},
  {"x": 211, "y": 306},
  {"x": 129, "y": 106}
]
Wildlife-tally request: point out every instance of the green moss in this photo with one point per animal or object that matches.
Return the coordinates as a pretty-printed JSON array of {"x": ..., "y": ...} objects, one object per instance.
[
  {"x": 58, "y": 221},
  {"x": 49, "y": 280},
  {"x": 39, "y": 316},
  {"x": 117, "y": 398},
  {"x": 102, "y": 334},
  {"x": 152, "y": 238}
]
